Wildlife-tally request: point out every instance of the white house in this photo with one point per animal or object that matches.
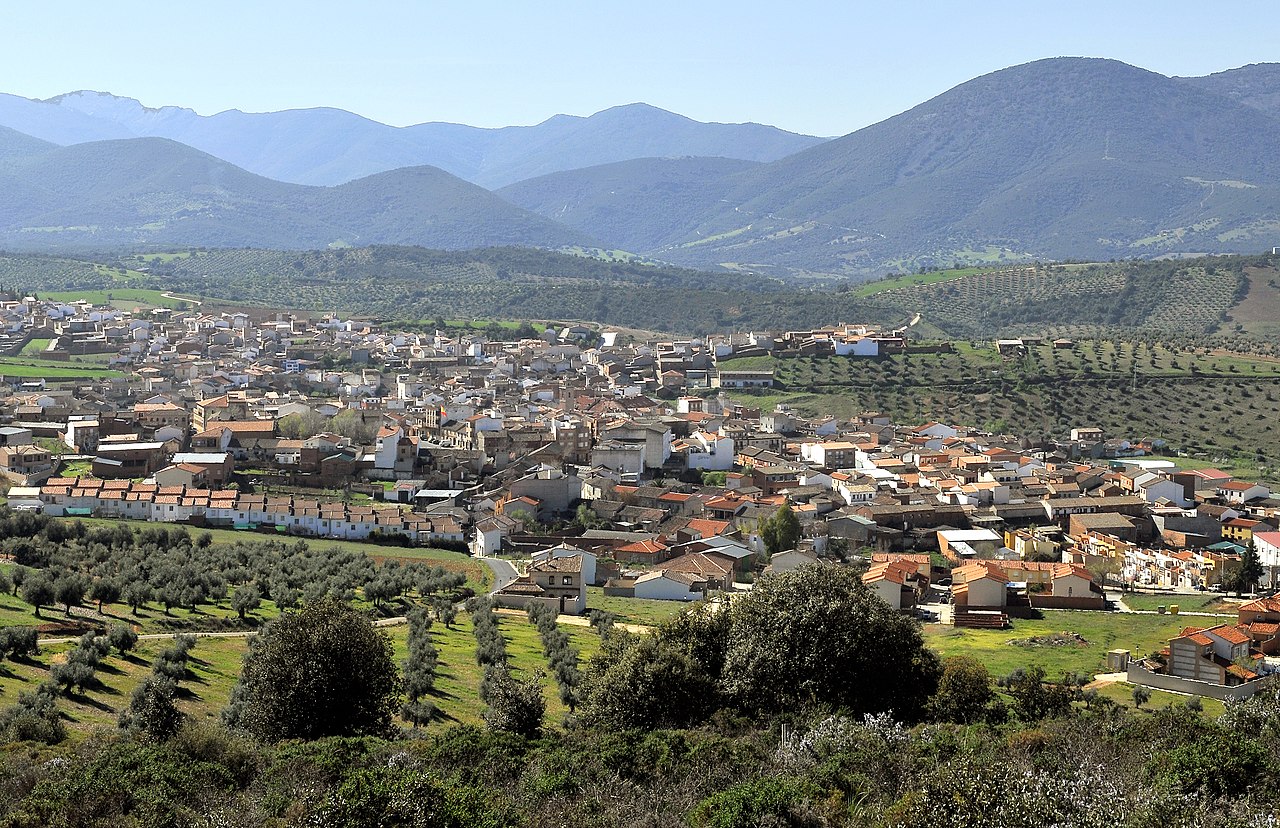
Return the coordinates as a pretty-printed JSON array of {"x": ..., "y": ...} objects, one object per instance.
[
  {"x": 1267, "y": 545},
  {"x": 666, "y": 586}
]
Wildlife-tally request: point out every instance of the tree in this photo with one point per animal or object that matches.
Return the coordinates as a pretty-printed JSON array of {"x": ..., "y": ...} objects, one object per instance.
[
  {"x": 445, "y": 611},
  {"x": 137, "y": 593},
  {"x": 964, "y": 691},
  {"x": 419, "y": 669},
  {"x": 5, "y": 583},
  {"x": 18, "y": 641},
  {"x": 37, "y": 590},
  {"x": 246, "y": 599},
  {"x": 70, "y": 589},
  {"x": 34, "y": 718},
  {"x": 644, "y": 682},
  {"x": 324, "y": 671},
  {"x": 152, "y": 710},
  {"x": 817, "y": 635},
  {"x": 514, "y": 706},
  {"x": 104, "y": 591},
  {"x": 1250, "y": 571},
  {"x": 602, "y": 621},
  {"x": 586, "y": 518},
  {"x": 781, "y": 531},
  {"x": 1034, "y": 698},
  {"x": 122, "y": 638},
  {"x": 1141, "y": 696}
]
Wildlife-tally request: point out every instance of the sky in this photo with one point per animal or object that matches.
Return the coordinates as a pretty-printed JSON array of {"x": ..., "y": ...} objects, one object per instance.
[{"x": 823, "y": 68}]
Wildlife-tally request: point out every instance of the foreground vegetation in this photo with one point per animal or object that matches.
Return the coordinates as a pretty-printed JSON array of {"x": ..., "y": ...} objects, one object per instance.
[{"x": 778, "y": 711}]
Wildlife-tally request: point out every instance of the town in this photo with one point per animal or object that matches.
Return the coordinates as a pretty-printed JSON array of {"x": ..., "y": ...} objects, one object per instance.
[{"x": 641, "y": 468}]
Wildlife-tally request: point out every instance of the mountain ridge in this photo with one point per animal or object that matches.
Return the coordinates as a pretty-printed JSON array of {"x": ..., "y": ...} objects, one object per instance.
[
  {"x": 327, "y": 146},
  {"x": 155, "y": 192},
  {"x": 1059, "y": 158}
]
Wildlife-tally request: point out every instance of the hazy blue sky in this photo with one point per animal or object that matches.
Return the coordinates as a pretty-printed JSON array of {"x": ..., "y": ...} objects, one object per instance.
[{"x": 819, "y": 67}]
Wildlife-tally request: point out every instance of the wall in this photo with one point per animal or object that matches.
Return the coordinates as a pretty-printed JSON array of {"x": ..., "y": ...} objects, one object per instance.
[
  {"x": 1076, "y": 602},
  {"x": 1140, "y": 675}
]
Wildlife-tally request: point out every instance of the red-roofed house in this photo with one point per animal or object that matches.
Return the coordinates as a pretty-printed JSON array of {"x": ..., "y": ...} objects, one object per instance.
[{"x": 1210, "y": 655}]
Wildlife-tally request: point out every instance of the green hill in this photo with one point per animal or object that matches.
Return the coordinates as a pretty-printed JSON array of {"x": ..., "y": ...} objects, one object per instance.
[
  {"x": 1256, "y": 85},
  {"x": 645, "y": 204},
  {"x": 1061, "y": 158},
  {"x": 1228, "y": 301},
  {"x": 151, "y": 192}
]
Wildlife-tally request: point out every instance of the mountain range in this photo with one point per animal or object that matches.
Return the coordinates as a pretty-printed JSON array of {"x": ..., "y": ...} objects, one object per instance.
[
  {"x": 157, "y": 193},
  {"x": 1059, "y": 158},
  {"x": 325, "y": 146}
]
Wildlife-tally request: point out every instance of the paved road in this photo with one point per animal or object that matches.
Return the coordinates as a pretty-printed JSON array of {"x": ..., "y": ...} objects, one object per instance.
[{"x": 503, "y": 572}]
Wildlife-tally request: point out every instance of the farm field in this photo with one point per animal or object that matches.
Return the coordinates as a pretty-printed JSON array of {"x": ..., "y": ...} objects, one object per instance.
[
  {"x": 1122, "y": 694},
  {"x": 1102, "y": 631},
  {"x": 478, "y": 575},
  {"x": 1258, "y": 314},
  {"x": 33, "y": 348},
  {"x": 215, "y": 664},
  {"x": 1168, "y": 299},
  {"x": 123, "y": 298},
  {"x": 911, "y": 280}
]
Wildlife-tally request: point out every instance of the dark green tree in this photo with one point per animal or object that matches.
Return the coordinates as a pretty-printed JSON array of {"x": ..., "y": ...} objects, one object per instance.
[
  {"x": 644, "y": 682},
  {"x": 324, "y": 671},
  {"x": 817, "y": 635},
  {"x": 152, "y": 711},
  {"x": 1246, "y": 576},
  {"x": 964, "y": 691},
  {"x": 514, "y": 706},
  {"x": 104, "y": 591},
  {"x": 37, "y": 590},
  {"x": 69, "y": 590},
  {"x": 781, "y": 531},
  {"x": 246, "y": 599},
  {"x": 122, "y": 638},
  {"x": 136, "y": 594},
  {"x": 419, "y": 669}
]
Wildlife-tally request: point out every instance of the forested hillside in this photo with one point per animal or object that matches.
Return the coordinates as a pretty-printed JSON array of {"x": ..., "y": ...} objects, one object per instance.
[
  {"x": 1061, "y": 158},
  {"x": 1221, "y": 301}
]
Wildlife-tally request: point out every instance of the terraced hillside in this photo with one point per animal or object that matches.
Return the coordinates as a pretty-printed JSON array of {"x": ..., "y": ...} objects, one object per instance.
[{"x": 1168, "y": 299}]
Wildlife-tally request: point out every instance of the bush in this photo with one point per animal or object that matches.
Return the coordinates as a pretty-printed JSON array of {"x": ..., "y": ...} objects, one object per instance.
[{"x": 761, "y": 802}]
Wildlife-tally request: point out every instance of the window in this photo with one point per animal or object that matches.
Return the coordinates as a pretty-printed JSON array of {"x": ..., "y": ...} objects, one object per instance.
[{"x": 568, "y": 581}]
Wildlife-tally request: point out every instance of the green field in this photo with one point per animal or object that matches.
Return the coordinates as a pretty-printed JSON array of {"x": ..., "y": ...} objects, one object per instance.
[
  {"x": 52, "y": 370},
  {"x": 34, "y": 347},
  {"x": 914, "y": 280},
  {"x": 646, "y": 612},
  {"x": 1195, "y": 602},
  {"x": 1141, "y": 635},
  {"x": 124, "y": 298},
  {"x": 1214, "y": 407}
]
